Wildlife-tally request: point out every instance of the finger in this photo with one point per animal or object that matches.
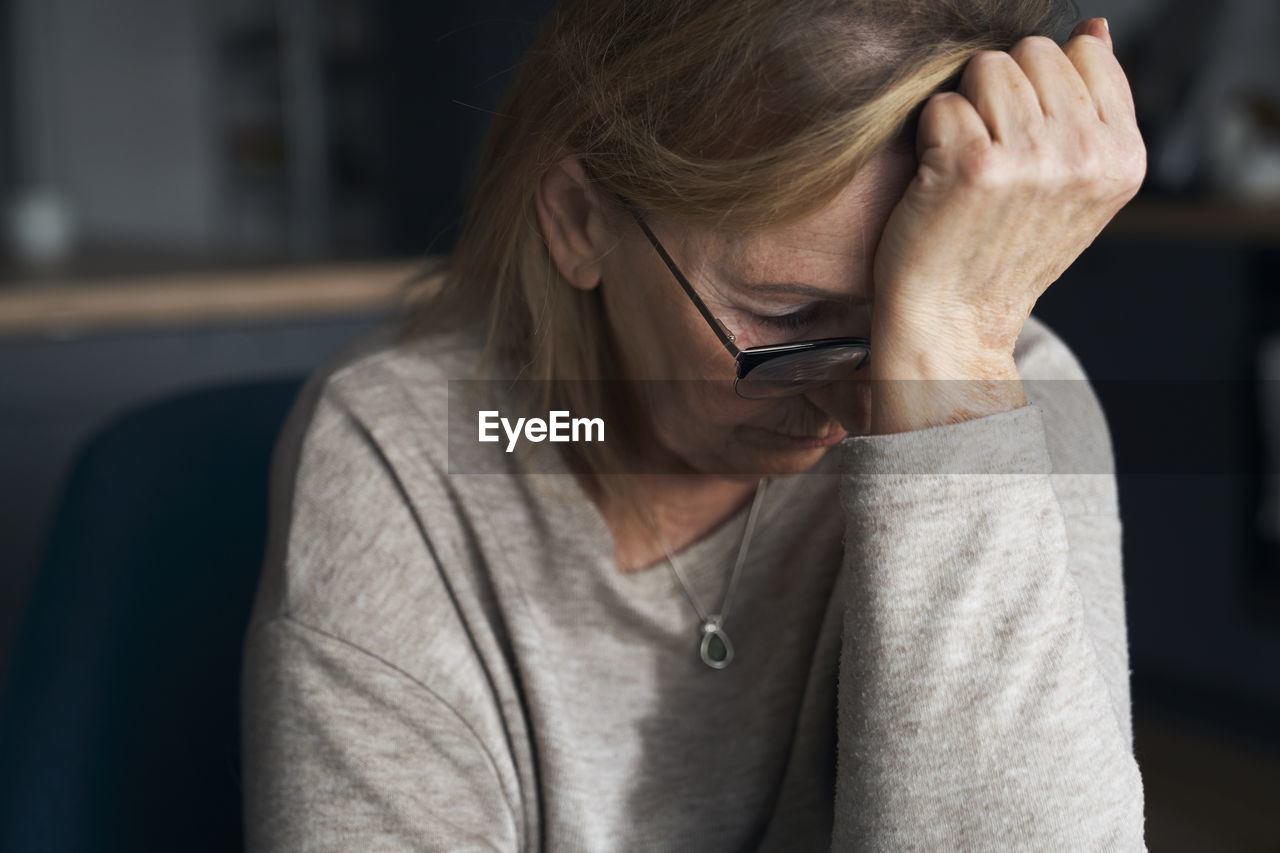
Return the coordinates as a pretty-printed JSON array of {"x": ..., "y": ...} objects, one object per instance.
[
  {"x": 1106, "y": 80},
  {"x": 1002, "y": 95},
  {"x": 947, "y": 121},
  {"x": 1096, "y": 27},
  {"x": 1062, "y": 92}
]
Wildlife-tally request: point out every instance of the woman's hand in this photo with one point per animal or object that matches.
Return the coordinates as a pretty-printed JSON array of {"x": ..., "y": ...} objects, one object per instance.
[{"x": 1019, "y": 170}]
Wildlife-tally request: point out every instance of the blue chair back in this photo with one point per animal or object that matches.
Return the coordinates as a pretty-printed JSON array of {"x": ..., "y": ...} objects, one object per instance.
[{"x": 118, "y": 721}]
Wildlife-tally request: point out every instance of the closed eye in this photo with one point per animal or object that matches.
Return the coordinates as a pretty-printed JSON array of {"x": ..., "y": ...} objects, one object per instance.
[{"x": 792, "y": 321}]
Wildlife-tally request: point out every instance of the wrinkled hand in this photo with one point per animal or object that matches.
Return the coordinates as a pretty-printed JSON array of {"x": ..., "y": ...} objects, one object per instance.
[{"x": 1019, "y": 170}]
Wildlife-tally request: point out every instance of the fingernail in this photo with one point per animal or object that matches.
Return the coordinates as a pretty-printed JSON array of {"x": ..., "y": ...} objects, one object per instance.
[{"x": 1105, "y": 24}]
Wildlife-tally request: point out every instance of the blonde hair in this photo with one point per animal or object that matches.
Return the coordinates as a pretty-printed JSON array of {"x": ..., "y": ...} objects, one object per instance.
[{"x": 722, "y": 113}]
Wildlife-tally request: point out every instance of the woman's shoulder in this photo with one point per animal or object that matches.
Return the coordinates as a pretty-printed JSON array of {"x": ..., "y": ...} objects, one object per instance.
[
  {"x": 387, "y": 393},
  {"x": 363, "y": 524},
  {"x": 367, "y": 423},
  {"x": 387, "y": 384}
]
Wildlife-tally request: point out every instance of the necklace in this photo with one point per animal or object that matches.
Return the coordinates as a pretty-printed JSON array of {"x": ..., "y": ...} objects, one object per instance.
[{"x": 714, "y": 646}]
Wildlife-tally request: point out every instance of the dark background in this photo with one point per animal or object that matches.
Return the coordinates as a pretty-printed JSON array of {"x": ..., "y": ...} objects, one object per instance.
[{"x": 193, "y": 135}]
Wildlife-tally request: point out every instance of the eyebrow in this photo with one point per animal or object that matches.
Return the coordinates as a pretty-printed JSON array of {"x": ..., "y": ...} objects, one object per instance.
[{"x": 795, "y": 288}]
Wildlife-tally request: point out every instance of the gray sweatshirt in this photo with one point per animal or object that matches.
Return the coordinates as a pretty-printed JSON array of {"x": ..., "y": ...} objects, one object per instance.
[{"x": 929, "y": 635}]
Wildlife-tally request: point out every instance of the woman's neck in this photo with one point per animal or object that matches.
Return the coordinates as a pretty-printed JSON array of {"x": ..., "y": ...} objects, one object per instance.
[{"x": 683, "y": 508}]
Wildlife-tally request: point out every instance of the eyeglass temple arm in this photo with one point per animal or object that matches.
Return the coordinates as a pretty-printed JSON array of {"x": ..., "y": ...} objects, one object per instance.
[{"x": 726, "y": 337}]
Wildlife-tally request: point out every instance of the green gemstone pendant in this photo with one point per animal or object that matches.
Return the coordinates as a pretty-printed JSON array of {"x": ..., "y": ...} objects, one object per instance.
[{"x": 716, "y": 650}]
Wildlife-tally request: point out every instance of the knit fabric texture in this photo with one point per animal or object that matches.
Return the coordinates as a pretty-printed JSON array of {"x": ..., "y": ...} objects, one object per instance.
[{"x": 929, "y": 634}]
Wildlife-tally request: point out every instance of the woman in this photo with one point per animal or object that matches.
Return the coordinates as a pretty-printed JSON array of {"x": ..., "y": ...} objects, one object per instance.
[{"x": 801, "y": 597}]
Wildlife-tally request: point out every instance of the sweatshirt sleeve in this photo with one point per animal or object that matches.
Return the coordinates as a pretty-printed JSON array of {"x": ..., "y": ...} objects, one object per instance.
[
  {"x": 342, "y": 751},
  {"x": 347, "y": 740},
  {"x": 983, "y": 683}
]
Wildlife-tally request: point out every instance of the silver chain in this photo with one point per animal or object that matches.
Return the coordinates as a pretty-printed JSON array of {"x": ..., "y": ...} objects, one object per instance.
[{"x": 713, "y": 623}]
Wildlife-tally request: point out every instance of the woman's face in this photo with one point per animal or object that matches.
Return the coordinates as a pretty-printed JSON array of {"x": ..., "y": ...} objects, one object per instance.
[{"x": 808, "y": 279}]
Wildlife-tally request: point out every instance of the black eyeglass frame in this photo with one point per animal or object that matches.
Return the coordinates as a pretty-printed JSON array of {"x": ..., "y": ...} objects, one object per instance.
[{"x": 751, "y": 358}]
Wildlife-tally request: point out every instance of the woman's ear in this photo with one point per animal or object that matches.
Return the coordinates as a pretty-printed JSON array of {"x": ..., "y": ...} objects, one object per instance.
[{"x": 572, "y": 223}]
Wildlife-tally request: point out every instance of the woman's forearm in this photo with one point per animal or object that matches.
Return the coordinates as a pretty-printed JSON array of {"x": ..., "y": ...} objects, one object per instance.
[{"x": 975, "y": 711}]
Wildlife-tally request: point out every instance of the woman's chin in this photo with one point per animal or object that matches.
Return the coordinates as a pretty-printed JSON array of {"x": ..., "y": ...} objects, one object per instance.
[{"x": 771, "y": 453}]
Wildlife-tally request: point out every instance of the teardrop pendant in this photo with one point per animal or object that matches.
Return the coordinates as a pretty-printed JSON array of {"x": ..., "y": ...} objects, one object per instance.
[{"x": 716, "y": 649}]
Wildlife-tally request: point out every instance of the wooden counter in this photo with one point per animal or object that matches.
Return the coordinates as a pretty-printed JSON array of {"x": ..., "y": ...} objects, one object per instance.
[
  {"x": 71, "y": 305},
  {"x": 78, "y": 303},
  {"x": 1209, "y": 220}
]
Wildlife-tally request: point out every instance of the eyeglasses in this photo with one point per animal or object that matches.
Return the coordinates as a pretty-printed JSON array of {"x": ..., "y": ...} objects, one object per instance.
[{"x": 777, "y": 370}]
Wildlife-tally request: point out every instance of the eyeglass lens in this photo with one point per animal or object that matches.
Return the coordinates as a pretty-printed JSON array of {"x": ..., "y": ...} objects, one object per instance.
[{"x": 789, "y": 373}]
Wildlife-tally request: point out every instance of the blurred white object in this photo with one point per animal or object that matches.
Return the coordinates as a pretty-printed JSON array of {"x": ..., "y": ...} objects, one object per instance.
[
  {"x": 1244, "y": 149},
  {"x": 1269, "y": 413},
  {"x": 1241, "y": 57},
  {"x": 39, "y": 227}
]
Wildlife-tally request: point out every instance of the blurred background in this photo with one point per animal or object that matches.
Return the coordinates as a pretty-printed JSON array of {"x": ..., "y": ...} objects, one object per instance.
[{"x": 201, "y": 202}]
